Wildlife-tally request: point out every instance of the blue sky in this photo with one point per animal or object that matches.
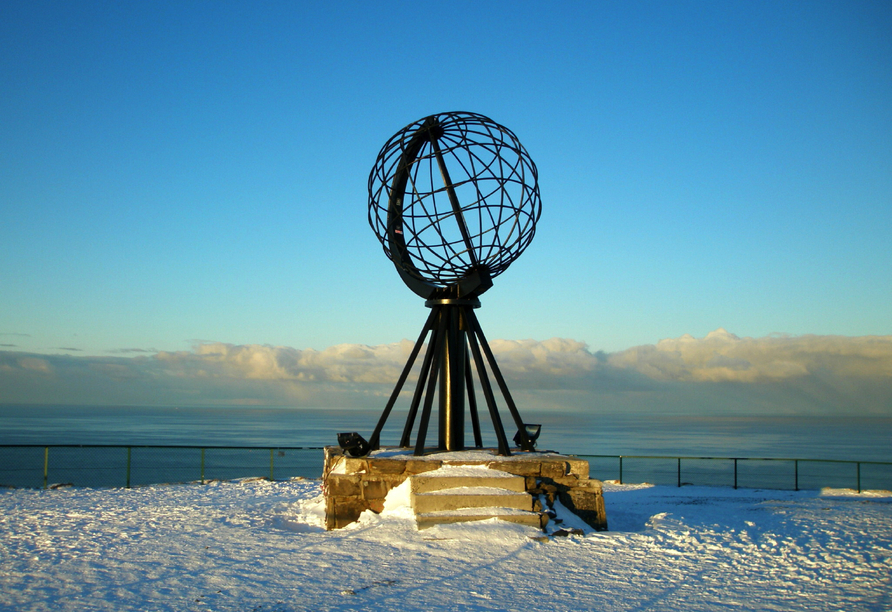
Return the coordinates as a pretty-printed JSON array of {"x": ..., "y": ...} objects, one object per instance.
[{"x": 175, "y": 172}]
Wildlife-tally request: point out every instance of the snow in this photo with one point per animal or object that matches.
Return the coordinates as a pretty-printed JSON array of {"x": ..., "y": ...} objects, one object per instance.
[
  {"x": 494, "y": 510},
  {"x": 259, "y": 546},
  {"x": 485, "y": 455},
  {"x": 466, "y": 471},
  {"x": 475, "y": 491}
]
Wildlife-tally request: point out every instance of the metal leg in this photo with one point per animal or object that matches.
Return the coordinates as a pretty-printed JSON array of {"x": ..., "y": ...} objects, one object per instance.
[
  {"x": 472, "y": 400},
  {"x": 454, "y": 336},
  {"x": 374, "y": 441},
  {"x": 419, "y": 387},
  {"x": 452, "y": 383},
  {"x": 525, "y": 443},
  {"x": 435, "y": 350},
  {"x": 487, "y": 393}
]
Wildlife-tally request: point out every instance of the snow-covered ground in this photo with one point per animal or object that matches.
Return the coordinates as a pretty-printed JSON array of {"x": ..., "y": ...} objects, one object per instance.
[{"x": 258, "y": 546}]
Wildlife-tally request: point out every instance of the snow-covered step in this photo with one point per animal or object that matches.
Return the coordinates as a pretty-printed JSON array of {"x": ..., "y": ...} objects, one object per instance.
[
  {"x": 459, "y": 494},
  {"x": 455, "y": 476},
  {"x": 471, "y": 497},
  {"x": 463, "y": 515}
]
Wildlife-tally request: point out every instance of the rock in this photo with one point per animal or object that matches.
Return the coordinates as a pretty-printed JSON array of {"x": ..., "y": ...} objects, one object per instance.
[
  {"x": 541, "y": 539},
  {"x": 563, "y": 533}
]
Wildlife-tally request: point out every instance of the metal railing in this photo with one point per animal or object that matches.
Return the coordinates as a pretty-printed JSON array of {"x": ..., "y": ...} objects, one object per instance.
[
  {"x": 749, "y": 472},
  {"x": 98, "y": 465},
  {"x": 42, "y": 466}
]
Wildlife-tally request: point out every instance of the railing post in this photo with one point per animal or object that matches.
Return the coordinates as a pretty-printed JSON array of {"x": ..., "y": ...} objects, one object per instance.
[
  {"x": 271, "y": 465},
  {"x": 679, "y": 472},
  {"x": 735, "y": 472},
  {"x": 128, "y": 467},
  {"x": 46, "y": 463},
  {"x": 202, "y": 466},
  {"x": 858, "y": 467},
  {"x": 796, "y": 473},
  {"x": 620, "y": 469}
]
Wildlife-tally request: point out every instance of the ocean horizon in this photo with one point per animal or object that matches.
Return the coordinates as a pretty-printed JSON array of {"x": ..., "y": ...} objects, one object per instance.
[{"x": 807, "y": 437}]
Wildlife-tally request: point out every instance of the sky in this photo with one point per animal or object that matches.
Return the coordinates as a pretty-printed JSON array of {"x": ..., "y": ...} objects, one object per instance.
[{"x": 190, "y": 179}]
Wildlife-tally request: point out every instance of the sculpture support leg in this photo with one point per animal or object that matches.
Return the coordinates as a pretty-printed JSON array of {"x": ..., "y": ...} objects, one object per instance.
[
  {"x": 452, "y": 383},
  {"x": 474, "y": 325},
  {"x": 422, "y": 376},
  {"x": 435, "y": 349},
  {"x": 487, "y": 393},
  {"x": 375, "y": 440},
  {"x": 455, "y": 338},
  {"x": 472, "y": 401}
]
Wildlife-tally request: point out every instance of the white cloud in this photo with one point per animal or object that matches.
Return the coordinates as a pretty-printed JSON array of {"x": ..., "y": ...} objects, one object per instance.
[
  {"x": 723, "y": 357},
  {"x": 35, "y": 364},
  {"x": 344, "y": 363},
  {"x": 355, "y": 363},
  {"x": 718, "y": 373}
]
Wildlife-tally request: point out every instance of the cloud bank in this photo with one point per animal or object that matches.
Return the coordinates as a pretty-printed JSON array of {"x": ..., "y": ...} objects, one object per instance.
[
  {"x": 723, "y": 357},
  {"x": 720, "y": 373}
]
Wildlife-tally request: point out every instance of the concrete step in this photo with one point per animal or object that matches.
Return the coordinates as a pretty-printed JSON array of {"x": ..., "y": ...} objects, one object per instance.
[
  {"x": 452, "y": 477},
  {"x": 471, "y": 497},
  {"x": 465, "y": 515}
]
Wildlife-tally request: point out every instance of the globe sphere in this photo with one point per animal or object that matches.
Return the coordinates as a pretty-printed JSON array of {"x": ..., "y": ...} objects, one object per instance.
[{"x": 451, "y": 196}]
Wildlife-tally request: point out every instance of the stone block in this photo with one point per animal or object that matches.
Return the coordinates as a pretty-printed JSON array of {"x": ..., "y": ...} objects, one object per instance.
[
  {"x": 580, "y": 499},
  {"x": 418, "y": 466},
  {"x": 355, "y": 465},
  {"x": 548, "y": 488},
  {"x": 543, "y": 520},
  {"x": 386, "y": 466},
  {"x": 590, "y": 484},
  {"x": 533, "y": 519},
  {"x": 587, "y": 505},
  {"x": 422, "y": 483},
  {"x": 331, "y": 463},
  {"x": 329, "y": 512},
  {"x": 553, "y": 469},
  {"x": 518, "y": 468},
  {"x": 341, "y": 511},
  {"x": 374, "y": 488},
  {"x": 565, "y": 482},
  {"x": 392, "y": 480},
  {"x": 442, "y": 501},
  {"x": 343, "y": 485},
  {"x": 330, "y": 452},
  {"x": 333, "y": 456},
  {"x": 578, "y": 468}
]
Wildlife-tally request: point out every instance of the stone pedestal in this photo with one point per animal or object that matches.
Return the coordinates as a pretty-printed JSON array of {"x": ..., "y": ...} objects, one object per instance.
[{"x": 353, "y": 485}]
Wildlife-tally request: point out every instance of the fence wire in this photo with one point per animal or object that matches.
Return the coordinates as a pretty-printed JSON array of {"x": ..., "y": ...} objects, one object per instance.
[
  {"x": 99, "y": 466},
  {"x": 129, "y": 466},
  {"x": 746, "y": 472}
]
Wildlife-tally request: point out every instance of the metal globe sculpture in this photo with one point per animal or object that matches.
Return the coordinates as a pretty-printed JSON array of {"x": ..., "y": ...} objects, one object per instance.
[{"x": 454, "y": 200}]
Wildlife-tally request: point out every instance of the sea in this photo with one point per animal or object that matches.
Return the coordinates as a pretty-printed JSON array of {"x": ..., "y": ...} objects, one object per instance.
[{"x": 816, "y": 440}]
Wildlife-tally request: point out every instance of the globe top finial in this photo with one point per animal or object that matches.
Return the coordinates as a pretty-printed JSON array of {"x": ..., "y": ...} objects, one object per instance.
[{"x": 453, "y": 199}]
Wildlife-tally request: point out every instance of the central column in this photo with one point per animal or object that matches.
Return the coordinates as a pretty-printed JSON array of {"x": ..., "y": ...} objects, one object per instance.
[{"x": 452, "y": 381}]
